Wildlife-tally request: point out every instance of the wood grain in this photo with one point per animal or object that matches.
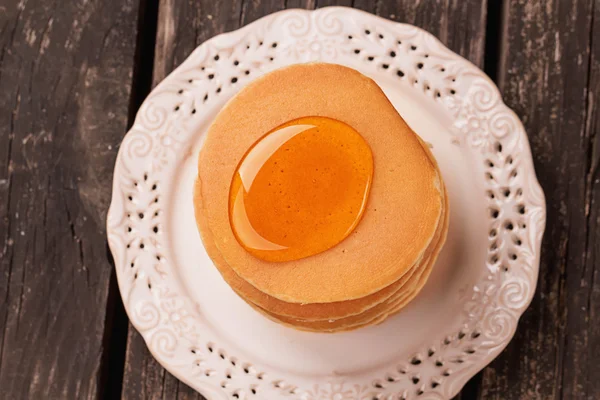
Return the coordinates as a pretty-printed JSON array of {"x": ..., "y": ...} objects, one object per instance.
[
  {"x": 68, "y": 72},
  {"x": 65, "y": 73},
  {"x": 591, "y": 297},
  {"x": 183, "y": 25},
  {"x": 549, "y": 74}
]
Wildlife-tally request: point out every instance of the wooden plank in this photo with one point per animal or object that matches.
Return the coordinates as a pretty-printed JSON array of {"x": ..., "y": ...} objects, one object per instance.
[
  {"x": 183, "y": 25},
  {"x": 65, "y": 74},
  {"x": 591, "y": 346},
  {"x": 549, "y": 77}
]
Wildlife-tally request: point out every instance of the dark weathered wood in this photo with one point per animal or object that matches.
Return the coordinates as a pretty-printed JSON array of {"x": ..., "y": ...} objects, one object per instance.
[
  {"x": 65, "y": 77},
  {"x": 183, "y": 25},
  {"x": 591, "y": 346},
  {"x": 549, "y": 77},
  {"x": 66, "y": 73}
]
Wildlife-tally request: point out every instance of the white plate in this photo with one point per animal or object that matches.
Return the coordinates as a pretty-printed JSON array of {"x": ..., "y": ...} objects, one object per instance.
[{"x": 201, "y": 332}]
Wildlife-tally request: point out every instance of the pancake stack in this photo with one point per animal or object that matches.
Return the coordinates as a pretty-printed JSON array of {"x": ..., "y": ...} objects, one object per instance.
[{"x": 384, "y": 262}]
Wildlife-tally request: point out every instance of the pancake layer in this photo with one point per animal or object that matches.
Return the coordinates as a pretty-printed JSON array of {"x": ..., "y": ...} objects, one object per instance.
[{"x": 387, "y": 258}]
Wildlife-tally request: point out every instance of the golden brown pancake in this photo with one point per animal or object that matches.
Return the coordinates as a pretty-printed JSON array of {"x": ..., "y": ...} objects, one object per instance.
[
  {"x": 404, "y": 206},
  {"x": 342, "y": 315}
]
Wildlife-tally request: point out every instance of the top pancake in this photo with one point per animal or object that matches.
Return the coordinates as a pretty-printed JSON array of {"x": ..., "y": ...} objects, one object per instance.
[{"x": 405, "y": 201}]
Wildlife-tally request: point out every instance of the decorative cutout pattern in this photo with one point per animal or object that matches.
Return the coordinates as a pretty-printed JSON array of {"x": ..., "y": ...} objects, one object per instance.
[
  {"x": 400, "y": 55},
  {"x": 162, "y": 131}
]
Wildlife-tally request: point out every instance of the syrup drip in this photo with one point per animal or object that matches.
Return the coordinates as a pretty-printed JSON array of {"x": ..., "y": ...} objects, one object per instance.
[{"x": 301, "y": 189}]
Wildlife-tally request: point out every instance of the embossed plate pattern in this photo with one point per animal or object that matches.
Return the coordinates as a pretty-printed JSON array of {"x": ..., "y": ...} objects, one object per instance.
[{"x": 199, "y": 330}]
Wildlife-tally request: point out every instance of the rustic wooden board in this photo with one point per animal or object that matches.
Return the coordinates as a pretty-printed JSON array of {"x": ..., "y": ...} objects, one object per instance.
[
  {"x": 549, "y": 73},
  {"x": 65, "y": 76},
  {"x": 183, "y": 25},
  {"x": 591, "y": 344},
  {"x": 69, "y": 69}
]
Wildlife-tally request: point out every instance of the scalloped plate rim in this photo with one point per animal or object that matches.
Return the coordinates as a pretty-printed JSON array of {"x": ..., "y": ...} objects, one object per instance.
[{"x": 217, "y": 41}]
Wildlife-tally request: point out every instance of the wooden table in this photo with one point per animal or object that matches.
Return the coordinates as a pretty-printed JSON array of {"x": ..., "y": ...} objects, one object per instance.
[{"x": 72, "y": 75}]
